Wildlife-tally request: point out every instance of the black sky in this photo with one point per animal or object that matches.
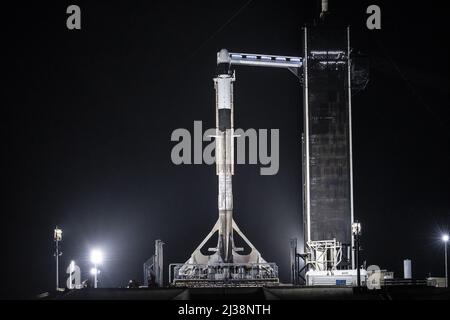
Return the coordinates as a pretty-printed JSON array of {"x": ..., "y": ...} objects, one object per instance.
[{"x": 86, "y": 119}]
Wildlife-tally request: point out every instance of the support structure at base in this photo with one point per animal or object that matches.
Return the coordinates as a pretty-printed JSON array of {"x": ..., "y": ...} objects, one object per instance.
[{"x": 224, "y": 275}]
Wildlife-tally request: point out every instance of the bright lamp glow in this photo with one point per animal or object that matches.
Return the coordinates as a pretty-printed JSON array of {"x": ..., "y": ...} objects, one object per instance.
[
  {"x": 445, "y": 238},
  {"x": 94, "y": 271},
  {"x": 57, "y": 234},
  {"x": 356, "y": 228},
  {"x": 96, "y": 256}
]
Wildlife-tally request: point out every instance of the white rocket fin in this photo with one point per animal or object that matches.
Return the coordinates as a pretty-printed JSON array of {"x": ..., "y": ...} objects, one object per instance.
[
  {"x": 253, "y": 257},
  {"x": 198, "y": 257}
]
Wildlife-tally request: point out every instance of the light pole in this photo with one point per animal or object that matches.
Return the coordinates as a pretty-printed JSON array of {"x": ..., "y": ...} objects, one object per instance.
[
  {"x": 356, "y": 231},
  {"x": 57, "y": 237},
  {"x": 96, "y": 259},
  {"x": 445, "y": 238}
]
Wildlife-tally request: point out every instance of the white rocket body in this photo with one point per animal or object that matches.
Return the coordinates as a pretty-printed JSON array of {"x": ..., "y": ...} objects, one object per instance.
[
  {"x": 226, "y": 252},
  {"x": 225, "y": 163}
]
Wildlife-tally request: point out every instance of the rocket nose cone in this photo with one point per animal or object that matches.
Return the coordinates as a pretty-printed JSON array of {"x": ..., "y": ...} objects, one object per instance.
[{"x": 223, "y": 56}]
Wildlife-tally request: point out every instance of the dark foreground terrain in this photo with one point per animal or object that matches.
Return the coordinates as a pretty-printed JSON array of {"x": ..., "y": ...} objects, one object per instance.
[{"x": 275, "y": 293}]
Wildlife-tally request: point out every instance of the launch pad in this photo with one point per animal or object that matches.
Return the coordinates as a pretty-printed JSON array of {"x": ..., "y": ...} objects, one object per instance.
[
  {"x": 328, "y": 75},
  {"x": 223, "y": 275},
  {"x": 325, "y": 73},
  {"x": 255, "y": 293},
  {"x": 249, "y": 270}
]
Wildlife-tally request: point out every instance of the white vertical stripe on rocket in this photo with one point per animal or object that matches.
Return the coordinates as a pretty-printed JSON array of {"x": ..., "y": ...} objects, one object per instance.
[{"x": 224, "y": 92}]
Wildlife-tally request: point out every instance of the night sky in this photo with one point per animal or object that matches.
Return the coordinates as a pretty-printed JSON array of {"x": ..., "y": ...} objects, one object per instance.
[{"x": 86, "y": 119}]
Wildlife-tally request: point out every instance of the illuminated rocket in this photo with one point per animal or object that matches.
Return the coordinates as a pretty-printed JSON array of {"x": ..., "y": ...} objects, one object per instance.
[
  {"x": 225, "y": 159},
  {"x": 226, "y": 252}
]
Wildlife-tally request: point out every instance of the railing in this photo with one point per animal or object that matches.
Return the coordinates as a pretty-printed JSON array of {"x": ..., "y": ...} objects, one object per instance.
[{"x": 405, "y": 282}]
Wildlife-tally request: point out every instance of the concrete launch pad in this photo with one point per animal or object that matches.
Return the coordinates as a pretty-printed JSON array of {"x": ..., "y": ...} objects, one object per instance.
[{"x": 268, "y": 293}]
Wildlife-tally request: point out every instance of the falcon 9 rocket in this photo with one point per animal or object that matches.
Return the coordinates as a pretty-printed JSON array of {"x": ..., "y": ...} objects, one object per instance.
[{"x": 226, "y": 253}]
